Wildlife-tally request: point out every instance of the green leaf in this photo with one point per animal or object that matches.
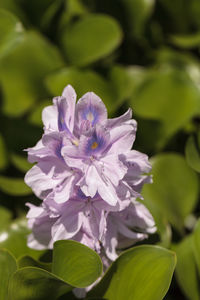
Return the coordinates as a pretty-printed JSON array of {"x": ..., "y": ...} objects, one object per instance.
[
  {"x": 196, "y": 244},
  {"x": 5, "y": 217},
  {"x": 11, "y": 32},
  {"x": 8, "y": 266},
  {"x": 175, "y": 188},
  {"x": 186, "y": 41},
  {"x": 162, "y": 224},
  {"x": 20, "y": 162},
  {"x": 143, "y": 272},
  {"x": 167, "y": 95},
  {"x": 14, "y": 186},
  {"x": 90, "y": 38},
  {"x": 23, "y": 70},
  {"x": 13, "y": 7},
  {"x": 31, "y": 283},
  {"x": 186, "y": 271},
  {"x": 137, "y": 13},
  {"x": 192, "y": 154},
  {"x": 123, "y": 81},
  {"x": 74, "y": 8},
  {"x": 83, "y": 82},
  {"x": 3, "y": 154},
  {"x": 75, "y": 263},
  {"x": 28, "y": 261},
  {"x": 14, "y": 238}
]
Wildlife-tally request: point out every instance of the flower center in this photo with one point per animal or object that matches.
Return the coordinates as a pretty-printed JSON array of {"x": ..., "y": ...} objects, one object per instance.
[
  {"x": 94, "y": 145},
  {"x": 90, "y": 116}
]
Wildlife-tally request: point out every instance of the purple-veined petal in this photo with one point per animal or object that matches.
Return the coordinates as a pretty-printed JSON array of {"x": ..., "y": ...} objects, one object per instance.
[
  {"x": 67, "y": 226},
  {"x": 65, "y": 190},
  {"x": 110, "y": 242},
  {"x": 39, "y": 181},
  {"x": 95, "y": 183},
  {"x": 90, "y": 107},
  {"x": 118, "y": 121},
  {"x": 113, "y": 168},
  {"x": 70, "y": 95},
  {"x": 95, "y": 142},
  {"x": 50, "y": 118},
  {"x": 122, "y": 137},
  {"x": 40, "y": 238}
]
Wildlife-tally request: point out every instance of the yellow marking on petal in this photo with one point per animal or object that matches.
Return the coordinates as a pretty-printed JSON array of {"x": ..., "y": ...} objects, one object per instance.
[
  {"x": 90, "y": 116},
  {"x": 75, "y": 142},
  {"x": 94, "y": 145}
]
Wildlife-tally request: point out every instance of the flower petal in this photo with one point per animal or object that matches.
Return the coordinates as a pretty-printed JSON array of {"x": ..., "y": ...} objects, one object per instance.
[
  {"x": 39, "y": 181},
  {"x": 122, "y": 137},
  {"x": 50, "y": 118},
  {"x": 90, "y": 107},
  {"x": 70, "y": 95},
  {"x": 118, "y": 121}
]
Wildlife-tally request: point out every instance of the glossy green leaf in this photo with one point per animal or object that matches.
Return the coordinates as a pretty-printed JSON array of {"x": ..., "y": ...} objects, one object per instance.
[
  {"x": 3, "y": 154},
  {"x": 137, "y": 12},
  {"x": 28, "y": 261},
  {"x": 14, "y": 238},
  {"x": 74, "y": 8},
  {"x": 31, "y": 283},
  {"x": 22, "y": 72},
  {"x": 167, "y": 95},
  {"x": 186, "y": 41},
  {"x": 143, "y": 272},
  {"x": 123, "y": 81},
  {"x": 83, "y": 82},
  {"x": 14, "y": 186},
  {"x": 13, "y": 7},
  {"x": 175, "y": 188},
  {"x": 75, "y": 263},
  {"x": 8, "y": 266},
  {"x": 192, "y": 153},
  {"x": 11, "y": 32},
  {"x": 20, "y": 162},
  {"x": 90, "y": 38},
  {"x": 162, "y": 223},
  {"x": 186, "y": 271},
  {"x": 196, "y": 245},
  {"x": 5, "y": 217}
]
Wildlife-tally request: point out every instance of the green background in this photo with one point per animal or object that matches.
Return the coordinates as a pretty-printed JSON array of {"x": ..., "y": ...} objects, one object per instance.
[{"x": 132, "y": 53}]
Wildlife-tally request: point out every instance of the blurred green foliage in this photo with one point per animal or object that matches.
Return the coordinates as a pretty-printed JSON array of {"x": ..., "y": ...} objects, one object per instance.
[{"x": 132, "y": 53}]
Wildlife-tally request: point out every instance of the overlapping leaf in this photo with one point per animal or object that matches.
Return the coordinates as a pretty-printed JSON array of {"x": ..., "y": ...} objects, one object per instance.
[
  {"x": 74, "y": 265},
  {"x": 175, "y": 188},
  {"x": 143, "y": 272}
]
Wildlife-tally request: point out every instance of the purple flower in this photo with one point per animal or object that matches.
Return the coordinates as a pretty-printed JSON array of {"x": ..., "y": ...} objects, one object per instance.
[
  {"x": 88, "y": 178},
  {"x": 90, "y": 221}
]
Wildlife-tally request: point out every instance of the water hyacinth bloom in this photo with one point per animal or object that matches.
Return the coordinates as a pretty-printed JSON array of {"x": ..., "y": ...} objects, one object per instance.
[{"x": 87, "y": 177}]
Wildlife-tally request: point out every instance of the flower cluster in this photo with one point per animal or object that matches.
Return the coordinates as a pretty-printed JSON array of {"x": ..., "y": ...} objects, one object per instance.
[{"x": 87, "y": 177}]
